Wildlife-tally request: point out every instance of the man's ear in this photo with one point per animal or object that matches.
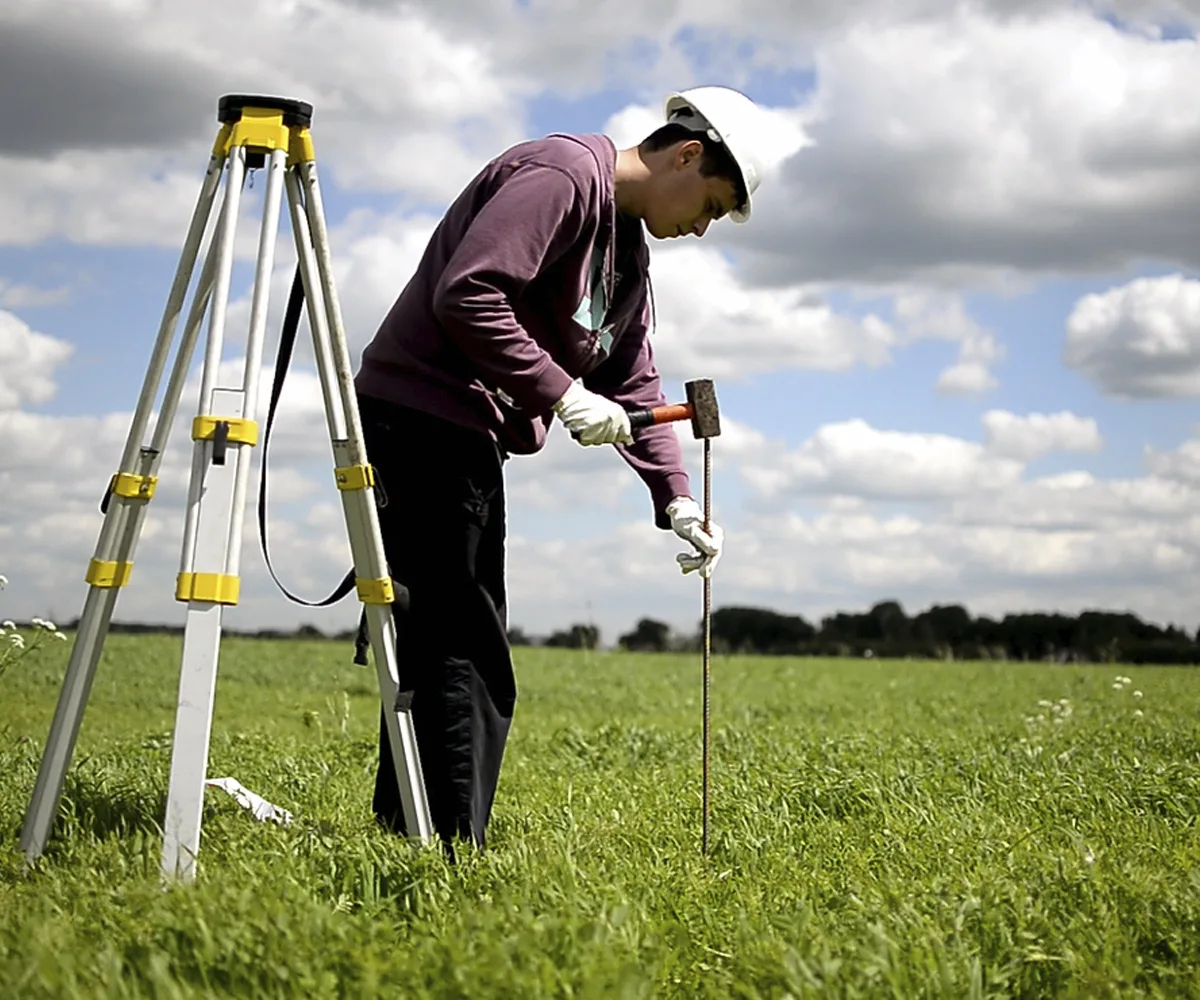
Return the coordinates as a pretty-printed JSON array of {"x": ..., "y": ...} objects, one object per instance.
[{"x": 688, "y": 152}]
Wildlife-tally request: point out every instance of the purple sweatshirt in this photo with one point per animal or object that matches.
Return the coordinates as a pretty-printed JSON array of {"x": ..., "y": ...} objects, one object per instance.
[{"x": 531, "y": 280}]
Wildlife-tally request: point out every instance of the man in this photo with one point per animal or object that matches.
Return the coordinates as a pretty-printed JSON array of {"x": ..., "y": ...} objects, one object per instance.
[{"x": 531, "y": 303}]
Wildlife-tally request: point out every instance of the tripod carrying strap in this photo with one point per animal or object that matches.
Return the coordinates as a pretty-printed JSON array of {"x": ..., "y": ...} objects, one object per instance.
[{"x": 283, "y": 357}]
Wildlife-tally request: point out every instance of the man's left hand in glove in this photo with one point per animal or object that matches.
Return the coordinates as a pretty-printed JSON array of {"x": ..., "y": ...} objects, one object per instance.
[{"x": 687, "y": 521}]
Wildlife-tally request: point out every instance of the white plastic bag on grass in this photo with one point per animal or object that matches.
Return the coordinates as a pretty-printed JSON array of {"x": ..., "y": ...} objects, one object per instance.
[{"x": 260, "y": 808}]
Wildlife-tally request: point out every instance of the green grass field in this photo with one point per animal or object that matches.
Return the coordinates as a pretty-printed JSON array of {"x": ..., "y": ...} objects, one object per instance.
[{"x": 880, "y": 829}]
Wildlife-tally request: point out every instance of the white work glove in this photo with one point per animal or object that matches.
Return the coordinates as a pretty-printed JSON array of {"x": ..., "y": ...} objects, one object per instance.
[
  {"x": 592, "y": 419},
  {"x": 687, "y": 521}
]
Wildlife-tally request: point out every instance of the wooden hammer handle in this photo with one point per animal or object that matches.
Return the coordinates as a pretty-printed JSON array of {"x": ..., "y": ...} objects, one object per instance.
[{"x": 660, "y": 415}]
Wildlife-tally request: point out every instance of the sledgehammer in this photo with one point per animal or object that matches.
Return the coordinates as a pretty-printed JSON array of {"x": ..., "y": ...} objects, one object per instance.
[{"x": 701, "y": 409}]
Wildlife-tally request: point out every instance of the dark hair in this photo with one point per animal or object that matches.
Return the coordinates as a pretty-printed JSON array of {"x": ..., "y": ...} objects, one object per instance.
[{"x": 716, "y": 161}]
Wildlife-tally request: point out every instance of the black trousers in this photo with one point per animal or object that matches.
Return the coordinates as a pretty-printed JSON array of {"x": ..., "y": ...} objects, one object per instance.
[{"x": 442, "y": 519}]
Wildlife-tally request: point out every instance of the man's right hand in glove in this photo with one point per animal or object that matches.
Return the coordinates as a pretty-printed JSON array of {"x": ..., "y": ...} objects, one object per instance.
[{"x": 592, "y": 419}]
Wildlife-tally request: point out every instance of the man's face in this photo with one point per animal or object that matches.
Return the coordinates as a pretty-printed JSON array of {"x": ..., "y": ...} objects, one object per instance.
[{"x": 683, "y": 201}]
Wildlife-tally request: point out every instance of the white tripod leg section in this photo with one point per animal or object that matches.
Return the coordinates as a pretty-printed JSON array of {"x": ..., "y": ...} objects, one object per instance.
[
  {"x": 201, "y": 651},
  {"x": 356, "y": 486},
  {"x": 209, "y": 574}
]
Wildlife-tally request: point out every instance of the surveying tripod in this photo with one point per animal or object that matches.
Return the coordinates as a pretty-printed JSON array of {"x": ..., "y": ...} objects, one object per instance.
[{"x": 255, "y": 131}]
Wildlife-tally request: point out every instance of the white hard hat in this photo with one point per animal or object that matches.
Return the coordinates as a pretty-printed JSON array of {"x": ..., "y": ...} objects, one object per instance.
[{"x": 730, "y": 118}]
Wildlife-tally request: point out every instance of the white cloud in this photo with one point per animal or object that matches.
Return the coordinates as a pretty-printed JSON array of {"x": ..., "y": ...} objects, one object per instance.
[
  {"x": 966, "y": 378},
  {"x": 1078, "y": 500},
  {"x": 613, "y": 576},
  {"x": 925, "y": 158},
  {"x": 972, "y": 375},
  {"x": 27, "y": 363},
  {"x": 1141, "y": 339},
  {"x": 399, "y": 105},
  {"x": 924, "y": 313},
  {"x": 568, "y": 478},
  {"x": 373, "y": 259},
  {"x": 138, "y": 72},
  {"x": 632, "y": 124},
  {"x": 1113, "y": 557},
  {"x": 853, "y": 458},
  {"x": 1180, "y": 466},
  {"x": 576, "y": 46},
  {"x": 708, "y": 321},
  {"x": 107, "y": 198},
  {"x": 1037, "y": 434},
  {"x": 982, "y": 535},
  {"x": 20, "y": 295},
  {"x": 969, "y": 146}
]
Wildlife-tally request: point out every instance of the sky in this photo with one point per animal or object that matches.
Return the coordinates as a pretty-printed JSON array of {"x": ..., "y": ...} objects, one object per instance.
[{"x": 956, "y": 348}]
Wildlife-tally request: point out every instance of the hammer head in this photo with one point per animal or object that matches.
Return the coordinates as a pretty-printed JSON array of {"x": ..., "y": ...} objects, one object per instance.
[{"x": 706, "y": 417}]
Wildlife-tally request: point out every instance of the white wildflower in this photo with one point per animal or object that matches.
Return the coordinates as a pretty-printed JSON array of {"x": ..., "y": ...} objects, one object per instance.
[
  {"x": 60, "y": 636},
  {"x": 17, "y": 640},
  {"x": 8, "y": 624},
  {"x": 1118, "y": 686},
  {"x": 1138, "y": 713},
  {"x": 1137, "y": 694},
  {"x": 1043, "y": 703},
  {"x": 3, "y": 582}
]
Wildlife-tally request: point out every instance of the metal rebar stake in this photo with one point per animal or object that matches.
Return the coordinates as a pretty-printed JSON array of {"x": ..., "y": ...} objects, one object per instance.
[{"x": 707, "y": 649}]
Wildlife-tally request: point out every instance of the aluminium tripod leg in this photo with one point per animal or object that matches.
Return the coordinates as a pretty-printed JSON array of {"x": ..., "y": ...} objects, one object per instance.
[
  {"x": 355, "y": 482},
  {"x": 224, "y": 430},
  {"x": 125, "y": 503}
]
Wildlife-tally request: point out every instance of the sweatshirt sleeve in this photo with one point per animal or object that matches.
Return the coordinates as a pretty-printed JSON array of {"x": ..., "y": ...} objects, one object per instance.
[
  {"x": 630, "y": 378},
  {"x": 531, "y": 219}
]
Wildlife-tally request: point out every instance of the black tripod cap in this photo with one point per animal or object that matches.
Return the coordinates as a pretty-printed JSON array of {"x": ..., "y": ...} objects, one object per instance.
[{"x": 295, "y": 113}]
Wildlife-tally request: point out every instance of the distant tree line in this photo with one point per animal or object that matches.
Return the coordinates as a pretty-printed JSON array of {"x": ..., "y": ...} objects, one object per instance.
[
  {"x": 944, "y": 631},
  {"x": 948, "y": 631}
]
